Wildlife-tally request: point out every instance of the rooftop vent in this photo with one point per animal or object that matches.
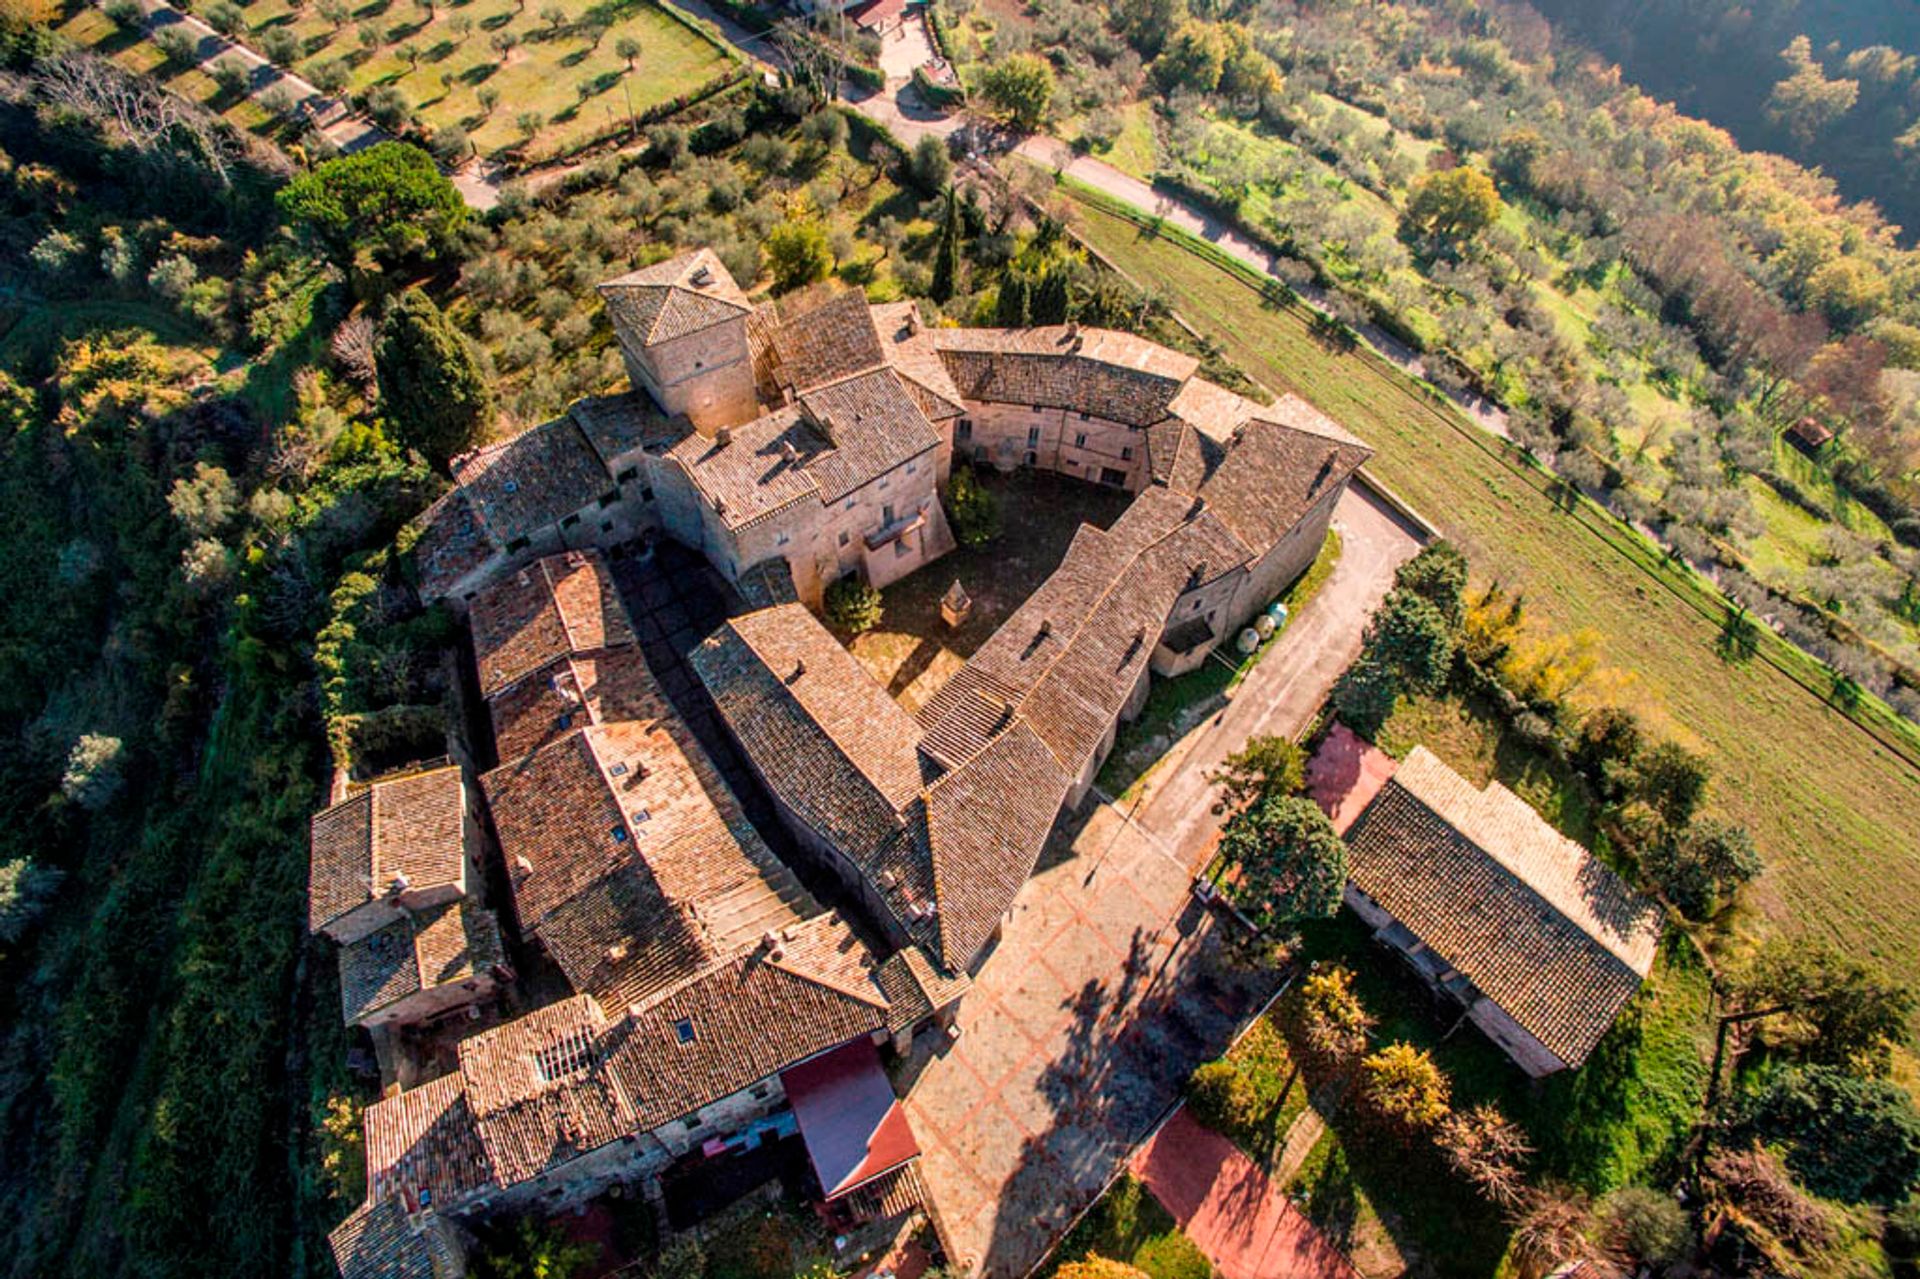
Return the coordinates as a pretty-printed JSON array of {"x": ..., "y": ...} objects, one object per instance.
[
  {"x": 398, "y": 884},
  {"x": 702, "y": 276},
  {"x": 521, "y": 866},
  {"x": 799, "y": 669},
  {"x": 790, "y": 453},
  {"x": 616, "y": 952},
  {"x": 723, "y": 436},
  {"x": 776, "y": 949},
  {"x": 913, "y": 320}
]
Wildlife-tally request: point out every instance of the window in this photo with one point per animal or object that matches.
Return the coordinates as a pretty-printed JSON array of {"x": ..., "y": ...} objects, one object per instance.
[
  {"x": 844, "y": 538},
  {"x": 1033, "y": 459},
  {"x": 913, "y": 468},
  {"x": 760, "y": 1092},
  {"x": 885, "y": 480},
  {"x": 517, "y": 545},
  {"x": 683, "y": 1030},
  {"x": 570, "y": 521},
  {"x": 566, "y": 1057},
  {"x": 693, "y": 1122},
  {"x": 886, "y": 514},
  {"x": 965, "y": 430},
  {"x": 1118, "y": 479},
  {"x": 1033, "y": 436},
  {"x": 619, "y": 834},
  {"x": 609, "y": 500},
  {"x": 646, "y": 494},
  {"x": 1126, "y": 454},
  {"x": 1080, "y": 440},
  {"x": 629, "y": 475},
  {"x": 510, "y": 486},
  {"x": 782, "y": 539},
  {"x": 849, "y": 504},
  {"x": 1083, "y": 417},
  {"x": 618, "y": 770}
]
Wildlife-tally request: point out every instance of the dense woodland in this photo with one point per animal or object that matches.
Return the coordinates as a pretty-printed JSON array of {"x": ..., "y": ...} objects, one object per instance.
[{"x": 1832, "y": 83}]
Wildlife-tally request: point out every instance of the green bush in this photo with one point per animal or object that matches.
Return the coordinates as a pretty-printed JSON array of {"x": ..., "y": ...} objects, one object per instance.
[
  {"x": 853, "y": 606},
  {"x": 1222, "y": 1098},
  {"x": 1173, "y": 1256},
  {"x": 973, "y": 512}
]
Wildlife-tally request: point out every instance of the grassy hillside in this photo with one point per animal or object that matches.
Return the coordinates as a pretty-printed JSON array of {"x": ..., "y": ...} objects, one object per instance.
[{"x": 1832, "y": 800}]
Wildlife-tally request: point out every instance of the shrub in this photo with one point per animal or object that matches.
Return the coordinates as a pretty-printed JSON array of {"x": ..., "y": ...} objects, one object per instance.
[
  {"x": 1292, "y": 863},
  {"x": 1333, "y": 1021},
  {"x": 1846, "y": 1138},
  {"x": 1405, "y": 1088},
  {"x": 26, "y": 890},
  {"x": 798, "y": 252},
  {"x": 929, "y": 166},
  {"x": 1222, "y": 1098},
  {"x": 973, "y": 512},
  {"x": 1098, "y": 1268},
  {"x": 852, "y": 605},
  {"x": 1646, "y": 1225},
  {"x": 1172, "y": 1256},
  {"x": 1702, "y": 867},
  {"x": 1487, "y": 1149}
]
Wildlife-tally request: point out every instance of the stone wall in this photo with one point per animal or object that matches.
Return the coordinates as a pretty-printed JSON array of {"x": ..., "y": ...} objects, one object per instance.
[
  {"x": 1006, "y": 436},
  {"x": 706, "y": 375}
]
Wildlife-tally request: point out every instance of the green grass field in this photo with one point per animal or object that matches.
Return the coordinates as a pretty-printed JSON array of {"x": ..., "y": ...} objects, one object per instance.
[
  {"x": 1831, "y": 799},
  {"x": 569, "y": 72}
]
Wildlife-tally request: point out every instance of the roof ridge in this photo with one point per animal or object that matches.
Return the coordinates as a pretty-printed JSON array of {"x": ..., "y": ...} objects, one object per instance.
[
  {"x": 876, "y": 1000},
  {"x": 1472, "y": 837}
]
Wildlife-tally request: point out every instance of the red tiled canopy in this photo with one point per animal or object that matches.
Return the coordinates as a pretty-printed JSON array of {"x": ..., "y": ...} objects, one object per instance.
[{"x": 853, "y": 1125}]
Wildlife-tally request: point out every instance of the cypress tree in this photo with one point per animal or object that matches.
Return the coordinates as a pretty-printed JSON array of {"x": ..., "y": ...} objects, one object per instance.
[
  {"x": 1013, "y": 309},
  {"x": 435, "y": 396},
  {"x": 946, "y": 256},
  {"x": 1051, "y": 301}
]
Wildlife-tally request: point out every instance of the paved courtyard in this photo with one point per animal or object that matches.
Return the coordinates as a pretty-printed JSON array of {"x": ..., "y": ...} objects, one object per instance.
[{"x": 1110, "y": 984}]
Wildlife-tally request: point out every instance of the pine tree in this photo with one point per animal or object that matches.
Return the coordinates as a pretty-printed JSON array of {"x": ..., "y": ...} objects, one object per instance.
[{"x": 946, "y": 256}]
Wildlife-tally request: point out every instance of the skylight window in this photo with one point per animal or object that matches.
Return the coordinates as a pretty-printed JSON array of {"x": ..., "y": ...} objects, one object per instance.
[
  {"x": 568, "y": 1056},
  {"x": 683, "y": 1029},
  {"x": 618, "y": 770},
  {"x": 619, "y": 834},
  {"x": 641, "y": 815}
]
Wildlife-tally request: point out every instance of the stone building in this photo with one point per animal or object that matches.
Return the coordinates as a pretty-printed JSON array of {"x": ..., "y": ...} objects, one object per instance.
[
  {"x": 395, "y": 879},
  {"x": 1539, "y": 942}
]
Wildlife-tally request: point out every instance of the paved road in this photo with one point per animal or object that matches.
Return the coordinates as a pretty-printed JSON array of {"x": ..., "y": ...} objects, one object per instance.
[
  {"x": 1292, "y": 680},
  {"x": 1108, "y": 985}
]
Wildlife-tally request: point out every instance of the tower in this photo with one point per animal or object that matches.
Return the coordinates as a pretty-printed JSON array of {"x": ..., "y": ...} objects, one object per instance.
[{"x": 682, "y": 325}]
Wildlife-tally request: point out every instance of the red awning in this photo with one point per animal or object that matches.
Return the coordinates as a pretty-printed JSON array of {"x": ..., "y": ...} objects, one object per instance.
[{"x": 851, "y": 1121}]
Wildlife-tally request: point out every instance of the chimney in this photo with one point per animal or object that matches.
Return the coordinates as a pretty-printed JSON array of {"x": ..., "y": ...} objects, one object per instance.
[
  {"x": 790, "y": 453},
  {"x": 913, "y": 321},
  {"x": 799, "y": 669},
  {"x": 616, "y": 952},
  {"x": 521, "y": 866},
  {"x": 398, "y": 884},
  {"x": 702, "y": 276},
  {"x": 723, "y": 436},
  {"x": 776, "y": 949}
]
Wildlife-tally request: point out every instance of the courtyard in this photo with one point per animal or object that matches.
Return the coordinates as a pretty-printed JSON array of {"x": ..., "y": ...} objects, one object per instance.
[{"x": 912, "y": 652}]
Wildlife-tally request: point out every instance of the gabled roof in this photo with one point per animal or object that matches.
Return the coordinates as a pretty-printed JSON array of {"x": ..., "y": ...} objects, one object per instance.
[
  {"x": 853, "y": 1125},
  {"x": 1272, "y": 475},
  {"x": 671, "y": 299},
  {"x": 438, "y": 946},
  {"x": 376, "y": 1241},
  {"x": 1108, "y": 374},
  {"x": 561, "y": 605},
  {"x": 421, "y": 1146},
  {"x": 833, "y": 746},
  {"x": 1534, "y": 921},
  {"x": 540, "y": 1092},
  {"x": 520, "y": 486},
  {"x": 410, "y": 826},
  {"x": 821, "y": 335}
]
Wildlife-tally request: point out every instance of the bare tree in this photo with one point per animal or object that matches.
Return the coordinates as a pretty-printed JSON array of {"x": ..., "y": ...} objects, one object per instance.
[
  {"x": 1488, "y": 1149},
  {"x": 160, "y": 126},
  {"x": 817, "y": 65},
  {"x": 352, "y": 347}
]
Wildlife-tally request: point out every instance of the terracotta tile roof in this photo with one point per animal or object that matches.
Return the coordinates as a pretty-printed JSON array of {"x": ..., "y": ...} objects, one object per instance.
[
  {"x": 437, "y": 946},
  {"x": 915, "y": 988},
  {"x": 630, "y": 859},
  {"x": 453, "y": 542},
  {"x": 832, "y": 745},
  {"x": 1272, "y": 474},
  {"x": 560, "y": 605},
  {"x": 376, "y": 1241},
  {"x": 985, "y": 826},
  {"x": 745, "y": 1020},
  {"x": 1210, "y": 409},
  {"x": 1528, "y": 916},
  {"x": 521, "y": 486},
  {"x": 671, "y": 299},
  {"x": 568, "y": 693},
  {"x": 838, "y": 438},
  {"x": 820, "y": 336},
  {"x": 754, "y": 476},
  {"x": 410, "y": 825},
  {"x": 914, "y": 355},
  {"x": 1111, "y": 375},
  {"x": 617, "y": 425},
  {"x": 874, "y": 426},
  {"x": 421, "y": 1146},
  {"x": 540, "y": 1091}
]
